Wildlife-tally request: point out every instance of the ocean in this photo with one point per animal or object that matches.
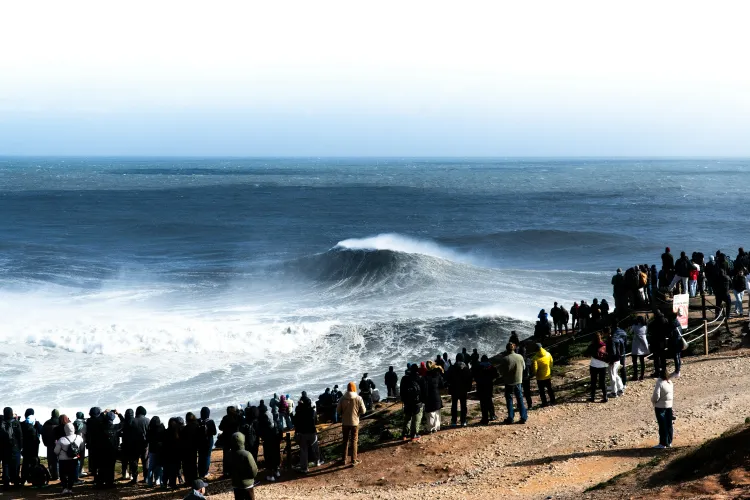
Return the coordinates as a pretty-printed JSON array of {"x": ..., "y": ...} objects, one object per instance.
[{"x": 177, "y": 283}]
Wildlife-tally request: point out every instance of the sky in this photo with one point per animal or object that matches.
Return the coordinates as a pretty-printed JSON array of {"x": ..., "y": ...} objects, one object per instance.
[{"x": 386, "y": 78}]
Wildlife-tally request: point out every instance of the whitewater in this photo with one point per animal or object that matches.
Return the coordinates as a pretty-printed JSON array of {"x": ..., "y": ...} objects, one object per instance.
[{"x": 178, "y": 283}]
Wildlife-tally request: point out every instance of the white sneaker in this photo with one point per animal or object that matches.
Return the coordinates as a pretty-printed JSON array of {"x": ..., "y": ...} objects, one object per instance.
[
  {"x": 270, "y": 479},
  {"x": 278, "y": 473}
]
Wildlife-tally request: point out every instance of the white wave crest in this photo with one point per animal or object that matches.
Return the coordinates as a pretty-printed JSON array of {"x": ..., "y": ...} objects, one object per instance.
[{"x": 398, "y": 243}]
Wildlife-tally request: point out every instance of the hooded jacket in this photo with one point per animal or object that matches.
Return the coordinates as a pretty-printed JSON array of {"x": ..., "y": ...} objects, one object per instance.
[
  {"x": 94, "y": 429},
  {"x": 11, "y": 428},
  {"x": 206, "y": 428},
  {"x": 243, "y": 468},
  {"x": 485, "y": 374},
  {"x": 154, "y": 435},
  {"x": 391, "y": 378},
  {"x": 433, "y": 383},
  {"x": 32, "y": 432},
  {"x": 140, "y": 424},
  {"x": 541, "y": 365},
  {"x": 48, "y": 429},
  {"x": 459, "y": 378},
  {"x": 63, "y": 444},
  {"x": 351, "y": 408},
  {"x": 304, "y": 418}
]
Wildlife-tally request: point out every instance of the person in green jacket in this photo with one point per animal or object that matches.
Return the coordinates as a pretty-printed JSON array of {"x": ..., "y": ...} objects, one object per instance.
[
  {"x": 512, "y": 366},
  {"x": 243, "y": 469}
]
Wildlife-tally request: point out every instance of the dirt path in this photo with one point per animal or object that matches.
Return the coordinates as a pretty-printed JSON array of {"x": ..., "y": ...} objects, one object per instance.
[{"x": 560, "y": 452}]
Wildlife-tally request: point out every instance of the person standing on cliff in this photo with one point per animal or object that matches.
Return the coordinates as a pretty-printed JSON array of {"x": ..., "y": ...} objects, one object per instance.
[
  {"x": 511, "y": 370},
  {"x": 662, "y": 398},
  {"x": 351, "y": 408},
  {"x": 391, "y": 380},
  {"x": 365, "y": 390},
  {"x": 574, "y": 316},
  {"x": 541, "y": 368},
  {"x": 459, "y": 384}
]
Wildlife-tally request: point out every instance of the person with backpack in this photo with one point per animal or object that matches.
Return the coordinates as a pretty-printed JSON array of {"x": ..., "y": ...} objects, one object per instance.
[
  {"x": 433, "y": 401},
  {"x": 682, "y": 269},
  {"x": 137, "y": 443},
  {"x": 413, "y": 395},
  {"x": 229, "y": 424},
  {"x": 154, "y": 436},
  {"x": 49, "y": 439},
  {"x": 32, "y": 433},
  {"x": 598, "y": 365},
  {"x": 269, "y": 431},
  {"x": 249, "y": 429},
  {"x": 391, "y": 381},
  {"x": 67, "y": 449},
  {"x": 351, "y": 407},
  {"x": 206, "y": 433},
  {"x": 459, "y": 384},
  {"x": 11, "y": 444},
  {"x": 109, "y": 442},
  {"x": 80, "y": 426},
  {"x": 306, "y": 433}
]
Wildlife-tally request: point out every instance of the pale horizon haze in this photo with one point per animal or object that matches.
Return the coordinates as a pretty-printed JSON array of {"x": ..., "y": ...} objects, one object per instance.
[{"x": 339, "y": 78}]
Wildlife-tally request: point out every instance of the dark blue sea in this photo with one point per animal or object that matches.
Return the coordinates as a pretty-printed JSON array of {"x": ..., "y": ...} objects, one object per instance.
[{"x": 181, "y": 282}]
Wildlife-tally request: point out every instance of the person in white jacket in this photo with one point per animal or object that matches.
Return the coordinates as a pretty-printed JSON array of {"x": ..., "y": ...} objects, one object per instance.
[
  {"x": 68, "y": 463},
  {"x": 662, "y": 399}
]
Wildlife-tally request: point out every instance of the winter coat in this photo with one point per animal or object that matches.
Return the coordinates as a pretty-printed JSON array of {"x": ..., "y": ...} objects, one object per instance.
[
  {"x": 675, "y": 338},
  {"x": 48, "y": 432},
  {"x": 413, "y": 399},
  {"x": 391, "y": 379},
  {"x": 433, "y": 383},
  {"x": 597, "y": 350},
  {"x": 663, "y": 394},
  {"x": 155, "y": 435},
  {"x": 640, "y": 340},
  {"x": 242, "y": 466},
  {"x": 304, "y": 420},
  {"x": 511, "y": 369},
  {"x": 541, "y": 365},
  {"x": 10, "y": 428},
  {"x": 351, "y": 408},
  {"x": 63, "y": 444},
  {"x": 32, "y": 432},
  {"x": 739, "y": 283},
  {"x": 485, "y": 375},
  {"x": 459, "y": 379}
]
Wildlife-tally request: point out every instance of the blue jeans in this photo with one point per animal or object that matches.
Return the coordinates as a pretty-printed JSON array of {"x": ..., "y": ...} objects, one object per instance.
[
  {"x": 738, "y": 296},
  {"x": 517, "y": 391},
  {"x": 664, "y": 419},
  {"x": 204, "y": 458},
  {"x": 693, "y": 287},
  {"x": 11, "y": 468},
  {"x": 677, "y": 362},
  {"x": 155, "y": 470}
]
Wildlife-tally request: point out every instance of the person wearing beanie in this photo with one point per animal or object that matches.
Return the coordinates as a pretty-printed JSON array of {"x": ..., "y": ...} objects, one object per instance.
[
  {"x": 206, "y": 433},
  {"x": 49, "y": 439},
  {"x": 243, "y": 470},
  {"x": 12, "y": 435},
  {"x": 66, "y": 449},
  {"x": 108, "y": 443},
  {"x": 80, "y": 426},
  {"x": 32, "y": 432},
  {"x": 138, "y": 443},
  {"x": 351, "y": 408}
]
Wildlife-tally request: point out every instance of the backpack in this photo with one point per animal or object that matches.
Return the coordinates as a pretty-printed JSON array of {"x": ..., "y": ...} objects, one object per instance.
[
  {"x": 8, "y": 433},
  {"x": 411, "y": 393},
  {"x": 39, "y": 476},
  {"x": 73, "y": 450},
  {"x": 601, "y": 353}
]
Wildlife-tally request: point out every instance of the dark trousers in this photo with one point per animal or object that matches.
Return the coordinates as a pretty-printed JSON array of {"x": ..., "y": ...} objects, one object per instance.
[
  {"x": 52, "y": 464},
  {"x": 133, "y": 464},
  {"x": 487, "y": 405},
  {"x": 171, "y": 469},
  {"x": 636, "y": 359},
  {"x": 391, "y": 390},
  {"x": 29, "y": 462},
  {"x": 105, "y": 476},
  {"x": 68, "y": 473},
  {"x": 559, "y": 327},
  {"x": 677, "y": 362},
  {"x": 455, "y": 399},
  {"x": 527, "y": 392},
  {"x": 190, "y": 466},
  {"x": 664, "y": 419},
  {"x": 11, "y": 467},
  {"x": 546, "y": 386},
  {"x": 598, "y": 378},
  {"x": 244, "y": 493},
  {"x": 367, "y": 398},
  {"x": 204, "y": 458}
]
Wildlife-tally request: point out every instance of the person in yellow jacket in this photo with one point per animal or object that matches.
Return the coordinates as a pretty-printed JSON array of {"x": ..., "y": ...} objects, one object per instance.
[{"x": 541, "y": 368}]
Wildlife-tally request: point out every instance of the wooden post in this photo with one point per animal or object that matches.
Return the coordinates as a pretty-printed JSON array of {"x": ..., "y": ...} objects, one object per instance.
[
  {"x": 705, "y": 337},
  {"x": 703, "y": 305}
]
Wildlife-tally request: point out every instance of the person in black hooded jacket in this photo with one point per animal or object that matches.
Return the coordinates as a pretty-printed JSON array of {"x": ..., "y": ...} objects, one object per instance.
[
  {"x": 11, "y": 444},
  {"x": 32, "y": 432},
  {"x": 154, "y": 436},
  {"x": 206, "y": 434},
  {"x": 459, "y": 384},
  {"x": 485, "y": 375},
  {"x": 49, "y": 439},
  {"x": 127, "y": 434},
  {"x": 189, "y": 443},
  {"x": 249, "y": 429},
  {"x": 108, "y": 442},
  {"x": 93, "y": 438},
  {"x": 228, "y": 426},
  {"x": 171, "y": 453},
  {"x": 137, "y": 443},
  {"x": 391, "y": 381}
]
